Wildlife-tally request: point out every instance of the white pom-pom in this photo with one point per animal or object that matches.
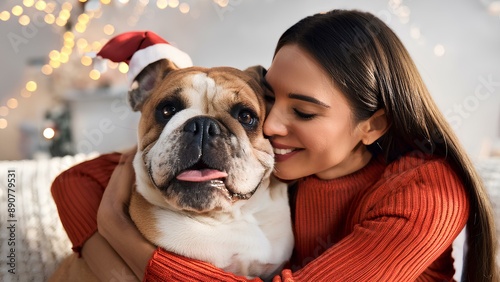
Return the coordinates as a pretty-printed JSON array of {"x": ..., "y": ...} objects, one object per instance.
[{"x": 100, "y": 64}]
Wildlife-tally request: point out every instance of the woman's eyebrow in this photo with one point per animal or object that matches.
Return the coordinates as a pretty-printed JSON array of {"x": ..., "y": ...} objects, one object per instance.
[{"x": 307, "y": 99}]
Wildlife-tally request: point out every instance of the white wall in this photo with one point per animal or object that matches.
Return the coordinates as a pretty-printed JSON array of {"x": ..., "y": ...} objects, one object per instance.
[{"x": 102, "y": 121}]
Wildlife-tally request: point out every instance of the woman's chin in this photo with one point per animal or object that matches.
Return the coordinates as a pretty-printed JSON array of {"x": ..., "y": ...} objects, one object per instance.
[{"x": 285, "y": 175}]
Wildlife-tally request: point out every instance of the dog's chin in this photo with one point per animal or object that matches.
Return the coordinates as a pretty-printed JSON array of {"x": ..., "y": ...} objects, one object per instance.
[{"x": 201, "y": 197}]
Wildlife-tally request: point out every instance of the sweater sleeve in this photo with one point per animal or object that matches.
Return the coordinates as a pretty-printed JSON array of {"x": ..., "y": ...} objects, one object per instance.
[
  {"x": 402, "y": 227},
  {"x": 167, "y": 266},
  {"x": 77, "y": 193}
]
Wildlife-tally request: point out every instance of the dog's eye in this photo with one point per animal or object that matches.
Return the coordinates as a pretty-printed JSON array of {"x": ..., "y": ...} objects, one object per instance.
[
  {"x": 245, "y": 115},
  {"x": 247, "y": 118},
  {"x": 168, "y": 111}
]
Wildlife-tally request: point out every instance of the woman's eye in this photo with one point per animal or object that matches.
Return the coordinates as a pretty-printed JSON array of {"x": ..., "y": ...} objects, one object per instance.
[
  {"x": 246, "y": 118},
  {"x": 303, "y": 115}
]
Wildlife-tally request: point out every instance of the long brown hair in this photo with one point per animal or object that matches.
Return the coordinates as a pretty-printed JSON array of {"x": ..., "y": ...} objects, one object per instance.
[{"x": 370, "y": 65}]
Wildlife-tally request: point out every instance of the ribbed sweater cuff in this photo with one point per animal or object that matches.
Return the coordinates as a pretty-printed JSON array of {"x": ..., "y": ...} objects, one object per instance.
[{"x": 166, "y": 266}]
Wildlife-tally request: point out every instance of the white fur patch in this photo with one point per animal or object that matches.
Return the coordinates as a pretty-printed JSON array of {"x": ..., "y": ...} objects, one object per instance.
[
  {"x": 144, "y": 187},
  {"x": 256, "y": 236}
]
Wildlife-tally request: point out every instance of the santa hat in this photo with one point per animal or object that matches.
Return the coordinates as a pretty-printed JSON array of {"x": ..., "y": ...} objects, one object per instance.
[{"x": 139, "y": 49}]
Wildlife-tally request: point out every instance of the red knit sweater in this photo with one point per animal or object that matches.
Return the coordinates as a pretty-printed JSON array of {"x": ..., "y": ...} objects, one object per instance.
[{"x": 391, "y": 222}]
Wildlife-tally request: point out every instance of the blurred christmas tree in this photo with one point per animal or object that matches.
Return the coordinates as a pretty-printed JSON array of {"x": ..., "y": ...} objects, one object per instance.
[{"x": 58, "y": 132}]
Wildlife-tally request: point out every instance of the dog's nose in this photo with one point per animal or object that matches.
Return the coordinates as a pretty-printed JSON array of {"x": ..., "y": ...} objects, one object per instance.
[{"x": 204, "y": 126}]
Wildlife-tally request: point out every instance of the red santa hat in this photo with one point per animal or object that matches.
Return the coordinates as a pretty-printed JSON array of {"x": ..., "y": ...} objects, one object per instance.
[{"x": 139, "y": 49}]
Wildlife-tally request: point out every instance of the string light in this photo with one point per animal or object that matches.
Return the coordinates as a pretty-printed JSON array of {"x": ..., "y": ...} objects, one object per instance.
[
  {"x": 40, "y": 5},
  {"x": 112, "y": 65},
  {"x": 123, "y": 67},
  {"x": 54, "y": 64},
  {"x": 109, "y": 29},
  {"x": 60, "y": 22},
  {"x": 64, "y": 14},
  {"x": 12, "y": 103},
  {"x": 31, "y": 86},
  {"x": 222, "y": 3},
  {"x": 173, "y": 3},
  {"x": 51, "y": 6},
  {"x": 68, "y": 45},
  {"x": 83, "y": 18},
  {"x": 86, "y": 61},
  {"x": 96, "y": 46},
  {"x": 4, "y": 16},
  {"x": 64, "y": 58},
  {"x": 3, "y": 123},
  {"x": 162, "y": 4},
  {"x": 54, "y": 55},
  {"x": 67, "y": 6},
  {"x": 49, "y": 18},
  {"x": 184, "y": 8},
  {"x": 24, "y": 20},
  {"x": 94, "y": 74},
  {"x": 80, "y": 27},
  {"x": 28, "y": 3},
  {"x": 17, "y": 10},
  {"x": 49, "y": 133},
  {"x": 439, "y": 50},
  {"x": 47, "y": 70}
]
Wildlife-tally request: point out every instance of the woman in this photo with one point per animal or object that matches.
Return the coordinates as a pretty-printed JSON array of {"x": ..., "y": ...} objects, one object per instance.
[{"x": 383, "y": 186}]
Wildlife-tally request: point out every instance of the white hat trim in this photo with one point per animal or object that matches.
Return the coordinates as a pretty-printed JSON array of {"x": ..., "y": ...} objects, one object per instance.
[{"x": 142, "y": 58}]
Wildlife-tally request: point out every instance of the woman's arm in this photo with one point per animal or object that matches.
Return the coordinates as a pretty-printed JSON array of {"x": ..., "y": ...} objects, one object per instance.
[
  {"x": 104, "y": 261},
  {"x": 77, "y": 193},
  {"x": 113, "y": 221}
]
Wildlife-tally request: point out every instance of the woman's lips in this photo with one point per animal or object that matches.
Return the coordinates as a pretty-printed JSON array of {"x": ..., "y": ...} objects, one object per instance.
[{"x": 282, "y": 153}]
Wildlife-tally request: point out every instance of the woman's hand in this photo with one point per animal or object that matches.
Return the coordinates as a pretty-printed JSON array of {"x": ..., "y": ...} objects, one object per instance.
[{"x": 113, "y": 220}]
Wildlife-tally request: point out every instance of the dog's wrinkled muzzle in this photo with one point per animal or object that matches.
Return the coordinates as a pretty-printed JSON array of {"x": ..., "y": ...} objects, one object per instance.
[{"x": 200, "y": 179}]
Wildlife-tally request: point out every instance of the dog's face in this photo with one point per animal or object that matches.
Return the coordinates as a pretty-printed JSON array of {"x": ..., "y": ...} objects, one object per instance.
[{"x": 201, "y": 145}]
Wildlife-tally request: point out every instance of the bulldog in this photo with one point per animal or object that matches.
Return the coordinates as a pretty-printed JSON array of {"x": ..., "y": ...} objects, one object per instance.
[{"x": 203, "y": 168}]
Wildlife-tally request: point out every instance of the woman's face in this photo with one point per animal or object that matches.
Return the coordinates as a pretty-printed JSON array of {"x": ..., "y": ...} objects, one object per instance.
[{"x": 310, "y": 124}]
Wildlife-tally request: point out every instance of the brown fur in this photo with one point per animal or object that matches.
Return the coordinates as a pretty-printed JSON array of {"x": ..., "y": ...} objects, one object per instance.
[{"x": 140, "y": 208}]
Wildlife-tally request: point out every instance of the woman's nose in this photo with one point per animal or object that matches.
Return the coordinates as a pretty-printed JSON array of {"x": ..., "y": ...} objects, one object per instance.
[{"x": 274, "y": 124}]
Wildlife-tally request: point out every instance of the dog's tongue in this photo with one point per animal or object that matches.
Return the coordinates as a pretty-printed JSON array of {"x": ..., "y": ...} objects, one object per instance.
[{"x": 201, "y": 175}]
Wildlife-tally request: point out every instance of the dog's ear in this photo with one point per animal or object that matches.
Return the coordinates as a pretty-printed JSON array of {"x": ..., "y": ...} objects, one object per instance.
[
  {"x": 257, "y": 73},
  {"x": 146, "y": 81}
]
